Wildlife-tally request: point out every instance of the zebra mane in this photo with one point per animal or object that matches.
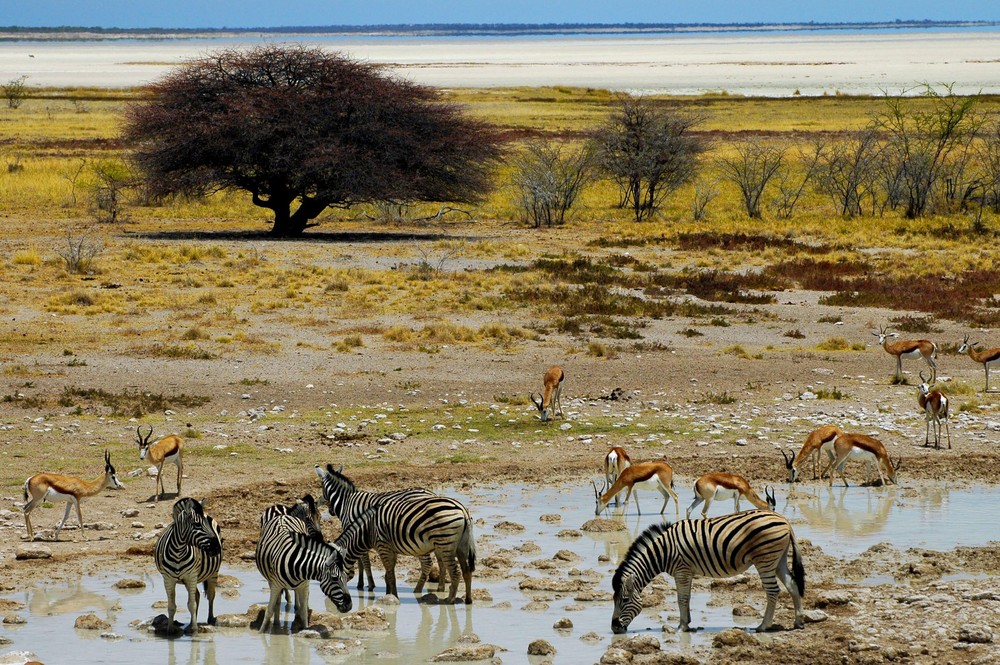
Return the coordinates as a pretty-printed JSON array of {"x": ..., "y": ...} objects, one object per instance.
[
  {"x": 188, "y": 503},
  {"x": 643, "y": 541},
  {"x": 340, "y": 478}
]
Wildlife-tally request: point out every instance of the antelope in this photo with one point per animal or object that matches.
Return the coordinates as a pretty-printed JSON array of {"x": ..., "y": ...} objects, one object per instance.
[
  {"x": 548, "y": 402},
  {"x": 934, "y": 404},
  {"x": 819, "y": 440},
  {"x": 646, "y": 476},
  {"x": 725, "y": 485},
  {"x": 863, "y": 448},
  {"x": 911, "y": 349},
  {"x": 168, "y": 450},
  {"x": 57, "y": 487},
  {"x": 616, "y": 461},
  {"x": 987, "y": 358}
]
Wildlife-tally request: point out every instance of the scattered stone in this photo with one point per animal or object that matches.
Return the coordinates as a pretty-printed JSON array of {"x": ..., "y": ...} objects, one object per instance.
[
  {"x": 232, "y": 621},
  {"x": 7, "y": 605},
  {"x": 326, "y": 620},
  {"x": 481, "y": 595},
  {"x": 541, "y": 648},
  {"x": 91, "y": 622},
  {"x": 831, "y": 597},
  {"x": 529, "y": 548},
  {"x": 509, "y": 527},
  {"x": 99, "y": 526},
  {"x": 469, "y": 638},
  {"x": 593, "y": 597},
  {"x": 18, "y": 658},
  {"x": 733, "y": 637},
  {"x": 128, "y": 583},
  {"x": 557, "y": 585},
  {"x": 370, "y": 619},
  {"x": 29, "y": 551},
  {"x": 14, "y": 619},
  {"x": 591, "y": 638},
  {"x": 464, "y": 653},
  {"x": 111, "y": 636},
  {"x": 569, "y": 533},
  {"x": 616, "y": 656},
  {"x": 228, "y": 582},
  {"x": 814, "y": 616},
  {"x": 550, "y": 519},
  {"x": 744, "y": 611},
  {"x": 976, "y": 634},
  {"x": 341, "y": 647},
  {"x": 536, "y": 606},
  {"x": 600, "y": 525},
  {"x": 566, "y": 555},
  {"x": 162, "y": 625},
  {"x": 130, "y": 512},
  {"x": 640, "y": 644},
  {"x": 563, "y": 624}
]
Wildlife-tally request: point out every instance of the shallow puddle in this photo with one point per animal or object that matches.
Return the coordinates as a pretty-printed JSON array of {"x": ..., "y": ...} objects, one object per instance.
[{"x": 841, "y": 522}]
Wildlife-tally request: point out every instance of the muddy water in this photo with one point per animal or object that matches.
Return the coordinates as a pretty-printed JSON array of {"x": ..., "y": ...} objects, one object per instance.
[{"x": 841, "y": 522}]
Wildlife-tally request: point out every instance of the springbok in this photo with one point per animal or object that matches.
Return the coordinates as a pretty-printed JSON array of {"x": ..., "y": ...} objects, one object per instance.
[
  {"x": 911, "y": 349},
  {"x": 986, "y": 358},
  {"x": 934, "y": 404},
  {"x": 548, "y": 402},
  {"x": 616, "y": 461},
  {"x": 646, "y": 476},
  {"x": 168, "y": 450},
  {"x": 819, "y": 440},
  {"x": 728, "y": 485},
  {"x": 57, "y": 487},
  {"x": 866, "y": 449}
]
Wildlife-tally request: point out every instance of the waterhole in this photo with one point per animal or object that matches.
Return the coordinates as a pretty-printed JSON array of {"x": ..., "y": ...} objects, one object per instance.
[{"x": 841, "y": 521}]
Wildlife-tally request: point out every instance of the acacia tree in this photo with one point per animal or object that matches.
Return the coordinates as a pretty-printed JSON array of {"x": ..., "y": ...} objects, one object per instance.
[
  {"x": 649, "y": 151},
  {"x": 302, "y": 129}
]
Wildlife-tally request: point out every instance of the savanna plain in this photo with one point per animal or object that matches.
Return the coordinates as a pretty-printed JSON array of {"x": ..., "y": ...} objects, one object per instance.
[{"x": 403, "y": 344}]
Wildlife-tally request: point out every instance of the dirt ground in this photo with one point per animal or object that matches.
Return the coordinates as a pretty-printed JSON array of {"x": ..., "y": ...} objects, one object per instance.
[{"x": 918, "y": 618}]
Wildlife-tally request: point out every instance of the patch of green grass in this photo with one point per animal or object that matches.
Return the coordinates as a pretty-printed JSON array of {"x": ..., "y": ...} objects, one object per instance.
[
  {"x": 832, "y": 393},
  {"x": 834, "y": 344},
  {"x": 738, "y": 351},
  {"x": 710, "y": 397},
  {"x": 133, "y": 404}
]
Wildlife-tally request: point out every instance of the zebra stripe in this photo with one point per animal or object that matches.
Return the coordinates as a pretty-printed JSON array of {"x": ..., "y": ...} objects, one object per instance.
[
  {"x": 347, "y": 503},
  {"x": 189, "y": 551},
  {"x": 288, "y": 557},
  {"x": 715, "y": 547},
  {"x": 306, "y": 510},
  {"x": 414, "y": 523}
]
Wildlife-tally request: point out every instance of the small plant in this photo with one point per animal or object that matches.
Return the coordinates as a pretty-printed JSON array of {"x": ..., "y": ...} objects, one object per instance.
[
  {"x": 795, "y": 334},
  {"x": 915, "y": 324},
  {"x": 81, "y": 251},
  {"x": 195, "y": 333},
  {"x": 834, "y": 344},
  {"x": 256, "y": 381},
  {"x": 599, "y": 350},
  {"x": 691, "y": 332},
  {"x": 15, "y": 91},
  {"x": 710, "y": 397},
  {"x": 830, "y": 319},
  {"x": 738, "y": 351},
  {"x": 349, "y": 343},
  {"x": 834, "y": 393},
  {"x": 408, "y": 385},
  {"x": 27, "y": 257},
  {"x": 720, "y": 322}
]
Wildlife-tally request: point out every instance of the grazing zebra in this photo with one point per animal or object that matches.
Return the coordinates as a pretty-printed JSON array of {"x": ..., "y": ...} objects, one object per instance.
[
  {"x": 414, "y": 523},
  {"x": 189, "y": 551},
  {"x": 346, "y": 503},
  {"x": 307, "y": 511},
  {"x": 715, "y": 547},
  {"x": 288, "y": 557}
]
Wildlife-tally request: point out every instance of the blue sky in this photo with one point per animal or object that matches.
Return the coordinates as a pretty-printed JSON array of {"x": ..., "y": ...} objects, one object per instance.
[{"x": 268, "y": 13}]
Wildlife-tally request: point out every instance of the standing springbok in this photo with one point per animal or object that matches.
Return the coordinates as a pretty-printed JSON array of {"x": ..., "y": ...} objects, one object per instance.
[
  {"x": 987, "y": 358},
  {"x": 728, "y": 485},
  {"x": 57, "y": 487},
  {"x": 866, "y": 449},
  {"x": 168, "y": 450},
  {"x": 645, "y": 476},
  {"x": 934, "y": 404},
  {"x": 819, "y": 440},
  {"x": 616, "y": 461},
  {"x": 911, "y": 349},
  {"x": 548, "y": 402}
]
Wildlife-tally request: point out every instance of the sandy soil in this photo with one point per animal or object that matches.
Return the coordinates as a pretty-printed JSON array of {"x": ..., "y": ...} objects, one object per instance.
[{"x": 917, "y": 619}]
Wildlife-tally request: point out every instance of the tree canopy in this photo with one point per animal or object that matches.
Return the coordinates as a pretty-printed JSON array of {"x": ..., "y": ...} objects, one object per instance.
[{"x": 302, "y": 129}]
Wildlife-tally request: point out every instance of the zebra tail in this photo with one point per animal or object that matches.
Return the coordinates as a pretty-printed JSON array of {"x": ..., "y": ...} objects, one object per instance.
[
  {"x": 467, "y": 546},
  {"x": 798, "y": 571}
]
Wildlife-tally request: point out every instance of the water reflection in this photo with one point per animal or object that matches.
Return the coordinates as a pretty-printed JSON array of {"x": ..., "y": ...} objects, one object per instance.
[
  {"x": 193, "y": 652},
  {"x": 826, "y": 510}
]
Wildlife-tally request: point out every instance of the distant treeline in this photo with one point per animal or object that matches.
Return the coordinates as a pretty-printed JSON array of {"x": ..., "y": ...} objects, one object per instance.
[{"x": 458, "y": 29}]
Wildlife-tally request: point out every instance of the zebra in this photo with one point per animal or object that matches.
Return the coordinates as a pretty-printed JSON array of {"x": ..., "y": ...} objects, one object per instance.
[
  {"x": 288, "y": 557},
  {"x": 414, "y": 523},
  {"x": 189, "y": 551},
  {"x": 346, "y": 502},
  {"x": 715, "y": 547},
  {"x": 306, "y": 510}
]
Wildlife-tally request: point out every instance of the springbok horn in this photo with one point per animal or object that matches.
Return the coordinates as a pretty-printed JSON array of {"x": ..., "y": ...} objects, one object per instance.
[
  {"x": 788, "y": 458},
  {"x": 538, "y": 402}
]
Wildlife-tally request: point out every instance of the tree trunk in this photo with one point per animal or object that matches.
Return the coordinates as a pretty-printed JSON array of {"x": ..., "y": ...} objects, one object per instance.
[{"x": 288, "y": 224}]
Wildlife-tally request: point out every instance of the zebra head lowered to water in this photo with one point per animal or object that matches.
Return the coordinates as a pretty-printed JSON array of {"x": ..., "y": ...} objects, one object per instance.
[
  {"x": 189, "y": 551},
  {"x": 288, "y": 556},
  {"x": 715, "y": 547}
]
